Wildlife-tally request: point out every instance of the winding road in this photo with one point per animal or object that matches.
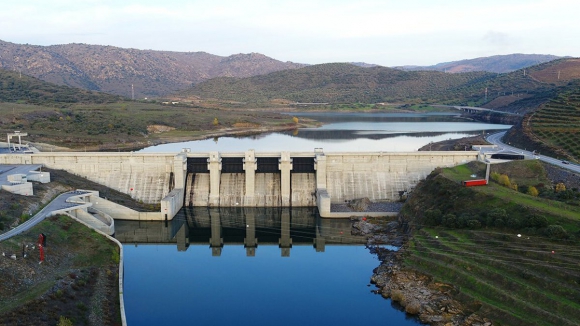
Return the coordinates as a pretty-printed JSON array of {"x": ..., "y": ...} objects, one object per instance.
[
  {"x": 496, "y": 140},
  {"x": 59, "y": 203}
]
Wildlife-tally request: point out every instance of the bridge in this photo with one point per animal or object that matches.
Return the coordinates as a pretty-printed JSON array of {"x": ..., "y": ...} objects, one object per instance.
[
  {"x": 473, "y": 109},
  {"x": 249, "y": 178}
]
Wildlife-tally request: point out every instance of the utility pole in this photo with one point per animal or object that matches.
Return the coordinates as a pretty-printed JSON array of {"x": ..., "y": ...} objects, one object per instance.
[
  {"x": 486, "y": 93},
  {"x": 558, "y": 74},
  {"x": 132, "y": 92}
]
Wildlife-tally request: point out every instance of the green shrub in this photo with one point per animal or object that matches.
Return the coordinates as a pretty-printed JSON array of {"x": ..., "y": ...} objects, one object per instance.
[
  {"x": 473, "y": 224},
  {"x": 556, "y": 232},
  {"x": 432, "y": 217},
  {"x": 63, "y": 321},
  {"x": 537, "y": 221},
  {"x": 449, "y": 220}
]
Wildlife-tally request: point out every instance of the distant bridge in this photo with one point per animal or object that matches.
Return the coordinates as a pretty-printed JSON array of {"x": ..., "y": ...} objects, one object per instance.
[{"x": 472, "y": 109}]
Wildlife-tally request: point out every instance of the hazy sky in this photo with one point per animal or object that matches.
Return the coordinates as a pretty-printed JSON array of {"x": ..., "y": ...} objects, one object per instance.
[{"x": 385, "y": 32}]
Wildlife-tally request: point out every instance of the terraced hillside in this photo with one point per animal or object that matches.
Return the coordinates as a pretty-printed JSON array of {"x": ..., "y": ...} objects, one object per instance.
[
  {"x": 510, "y": 255},
  {"x": 557, "y": 123}
]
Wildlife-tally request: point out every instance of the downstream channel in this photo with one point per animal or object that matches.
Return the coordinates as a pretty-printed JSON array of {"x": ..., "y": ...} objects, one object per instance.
[{"x": 271, "y": 266}]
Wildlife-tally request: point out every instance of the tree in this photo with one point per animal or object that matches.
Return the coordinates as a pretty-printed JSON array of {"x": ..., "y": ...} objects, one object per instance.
[
  {"x": 215, "y": 121},
  {"x": 556, "y": 232},
  {"x": 560, "y": 187},
  {"x": 532, "y": 191},
  {"x": 504, "y": 180},
  {"x": 295, "y": 119}
]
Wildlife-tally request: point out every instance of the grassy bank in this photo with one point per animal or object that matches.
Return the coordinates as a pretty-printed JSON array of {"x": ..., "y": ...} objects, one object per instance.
[
  {"x": 78, "y": 279},
  {"x": 511, "y": 254},
  {"x": 129, "y": 125}
]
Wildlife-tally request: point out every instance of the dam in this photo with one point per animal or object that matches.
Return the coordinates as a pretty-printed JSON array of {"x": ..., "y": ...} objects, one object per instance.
[{"x": 249, "y": 178}]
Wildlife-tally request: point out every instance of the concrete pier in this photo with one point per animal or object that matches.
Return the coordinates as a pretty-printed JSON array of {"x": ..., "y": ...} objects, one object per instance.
[{"x": 285, "y": 166}]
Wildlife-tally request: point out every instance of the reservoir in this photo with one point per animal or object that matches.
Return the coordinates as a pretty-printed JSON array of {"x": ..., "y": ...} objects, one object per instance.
[
  {"x": 271, "y": 266},
  {"x": 358, "y": 132}
]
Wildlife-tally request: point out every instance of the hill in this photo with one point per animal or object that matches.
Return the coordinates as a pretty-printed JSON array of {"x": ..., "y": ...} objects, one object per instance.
[
  {"x": 517, "y": 91},
  {"x": 553, "y": 128},
  {"x": 113, "y": 70},
  {"x": 508, "y": 254},
  {"x": 496, "y": 63},
  {"x": 336, "y": 83},
  {"x": 19, "y": 88}
]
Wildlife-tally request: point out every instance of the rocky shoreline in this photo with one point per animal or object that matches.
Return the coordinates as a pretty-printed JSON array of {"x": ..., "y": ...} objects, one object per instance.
[{"x": 432, "y": 302}]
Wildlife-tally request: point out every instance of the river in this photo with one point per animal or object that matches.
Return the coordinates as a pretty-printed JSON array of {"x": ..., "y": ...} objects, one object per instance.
[{"x": 271, "y": 267}]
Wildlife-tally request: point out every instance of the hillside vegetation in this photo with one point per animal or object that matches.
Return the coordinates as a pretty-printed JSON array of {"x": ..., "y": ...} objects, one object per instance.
[
  {"x": 511, "y": 254},
  {"x": 19, "y": 88},
  {"x": 115, "y": 70},
  {"x": 554, "y": 128},
  {"x": 557, "y": 123},
  {"x": 80, "y": 119},
  {"x": 132, "y": 125},
  {"x": 76, "y": 283},
  {"x": 337, "y": 83},
  {"x": 517, "y": 91}
]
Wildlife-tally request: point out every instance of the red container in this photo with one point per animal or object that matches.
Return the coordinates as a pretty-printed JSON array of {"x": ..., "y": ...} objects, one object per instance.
[{"x": 471, "y": 183}]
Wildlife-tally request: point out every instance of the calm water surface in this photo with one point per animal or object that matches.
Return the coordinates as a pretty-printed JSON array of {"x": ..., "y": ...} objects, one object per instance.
[
  {"x": 167, "y": 287},
  {"x": 398, "y": 132}
]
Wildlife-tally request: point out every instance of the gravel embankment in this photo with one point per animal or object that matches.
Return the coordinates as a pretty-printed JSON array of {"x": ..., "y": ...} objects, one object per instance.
[{"x": 372, "y": 207}]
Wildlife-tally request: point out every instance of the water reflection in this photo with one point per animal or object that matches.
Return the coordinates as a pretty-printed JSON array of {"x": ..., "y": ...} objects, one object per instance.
[
  {"x": 348, "y": 132},
  {"x": 251, "y": 227}
]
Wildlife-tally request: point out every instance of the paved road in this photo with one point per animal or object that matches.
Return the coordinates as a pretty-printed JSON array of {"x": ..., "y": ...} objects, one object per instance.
[
  {"x": 496, "y": 140},
  {"x": 58, "y": 203}
]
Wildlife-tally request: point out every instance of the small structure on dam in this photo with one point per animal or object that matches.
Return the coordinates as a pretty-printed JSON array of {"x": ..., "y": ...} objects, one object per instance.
[{"x": 251, "y": 179}]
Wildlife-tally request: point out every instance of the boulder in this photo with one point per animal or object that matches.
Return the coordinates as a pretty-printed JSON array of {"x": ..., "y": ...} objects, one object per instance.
[{"x": 359, "y": 205}]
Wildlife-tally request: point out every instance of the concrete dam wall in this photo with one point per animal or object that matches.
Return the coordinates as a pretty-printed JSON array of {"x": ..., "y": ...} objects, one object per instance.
[
  {"x": 250, "y": 179},
  {"x": 145, "y": 177}
]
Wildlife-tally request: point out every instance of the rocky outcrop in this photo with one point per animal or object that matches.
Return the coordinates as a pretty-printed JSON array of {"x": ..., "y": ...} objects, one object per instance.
[{"x": 432, "y": 302}]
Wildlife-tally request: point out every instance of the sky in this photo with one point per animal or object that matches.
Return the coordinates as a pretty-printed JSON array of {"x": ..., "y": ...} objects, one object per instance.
[{"x": 384, "y": 32}]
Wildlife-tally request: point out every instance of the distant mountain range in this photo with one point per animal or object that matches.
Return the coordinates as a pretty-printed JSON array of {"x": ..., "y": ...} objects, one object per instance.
[
  {"x": 128, "y": 72},
  {"x": 496, "y": 63},
  {"x": 147, "y": 73}
]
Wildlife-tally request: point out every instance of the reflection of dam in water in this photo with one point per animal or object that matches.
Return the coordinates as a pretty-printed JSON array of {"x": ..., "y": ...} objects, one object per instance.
[{"x": 250, "y": 227}]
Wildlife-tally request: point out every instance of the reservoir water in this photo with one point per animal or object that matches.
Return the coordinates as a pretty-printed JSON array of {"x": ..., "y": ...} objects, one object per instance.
[
  {"x": 250, "y": 266},
  {"x": 361, "y": 132},
  {"x": 271, "y": 266}
]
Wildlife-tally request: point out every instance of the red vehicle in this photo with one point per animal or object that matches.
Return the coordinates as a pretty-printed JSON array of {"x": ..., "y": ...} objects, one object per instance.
[{"x": 478, "y": 182}]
